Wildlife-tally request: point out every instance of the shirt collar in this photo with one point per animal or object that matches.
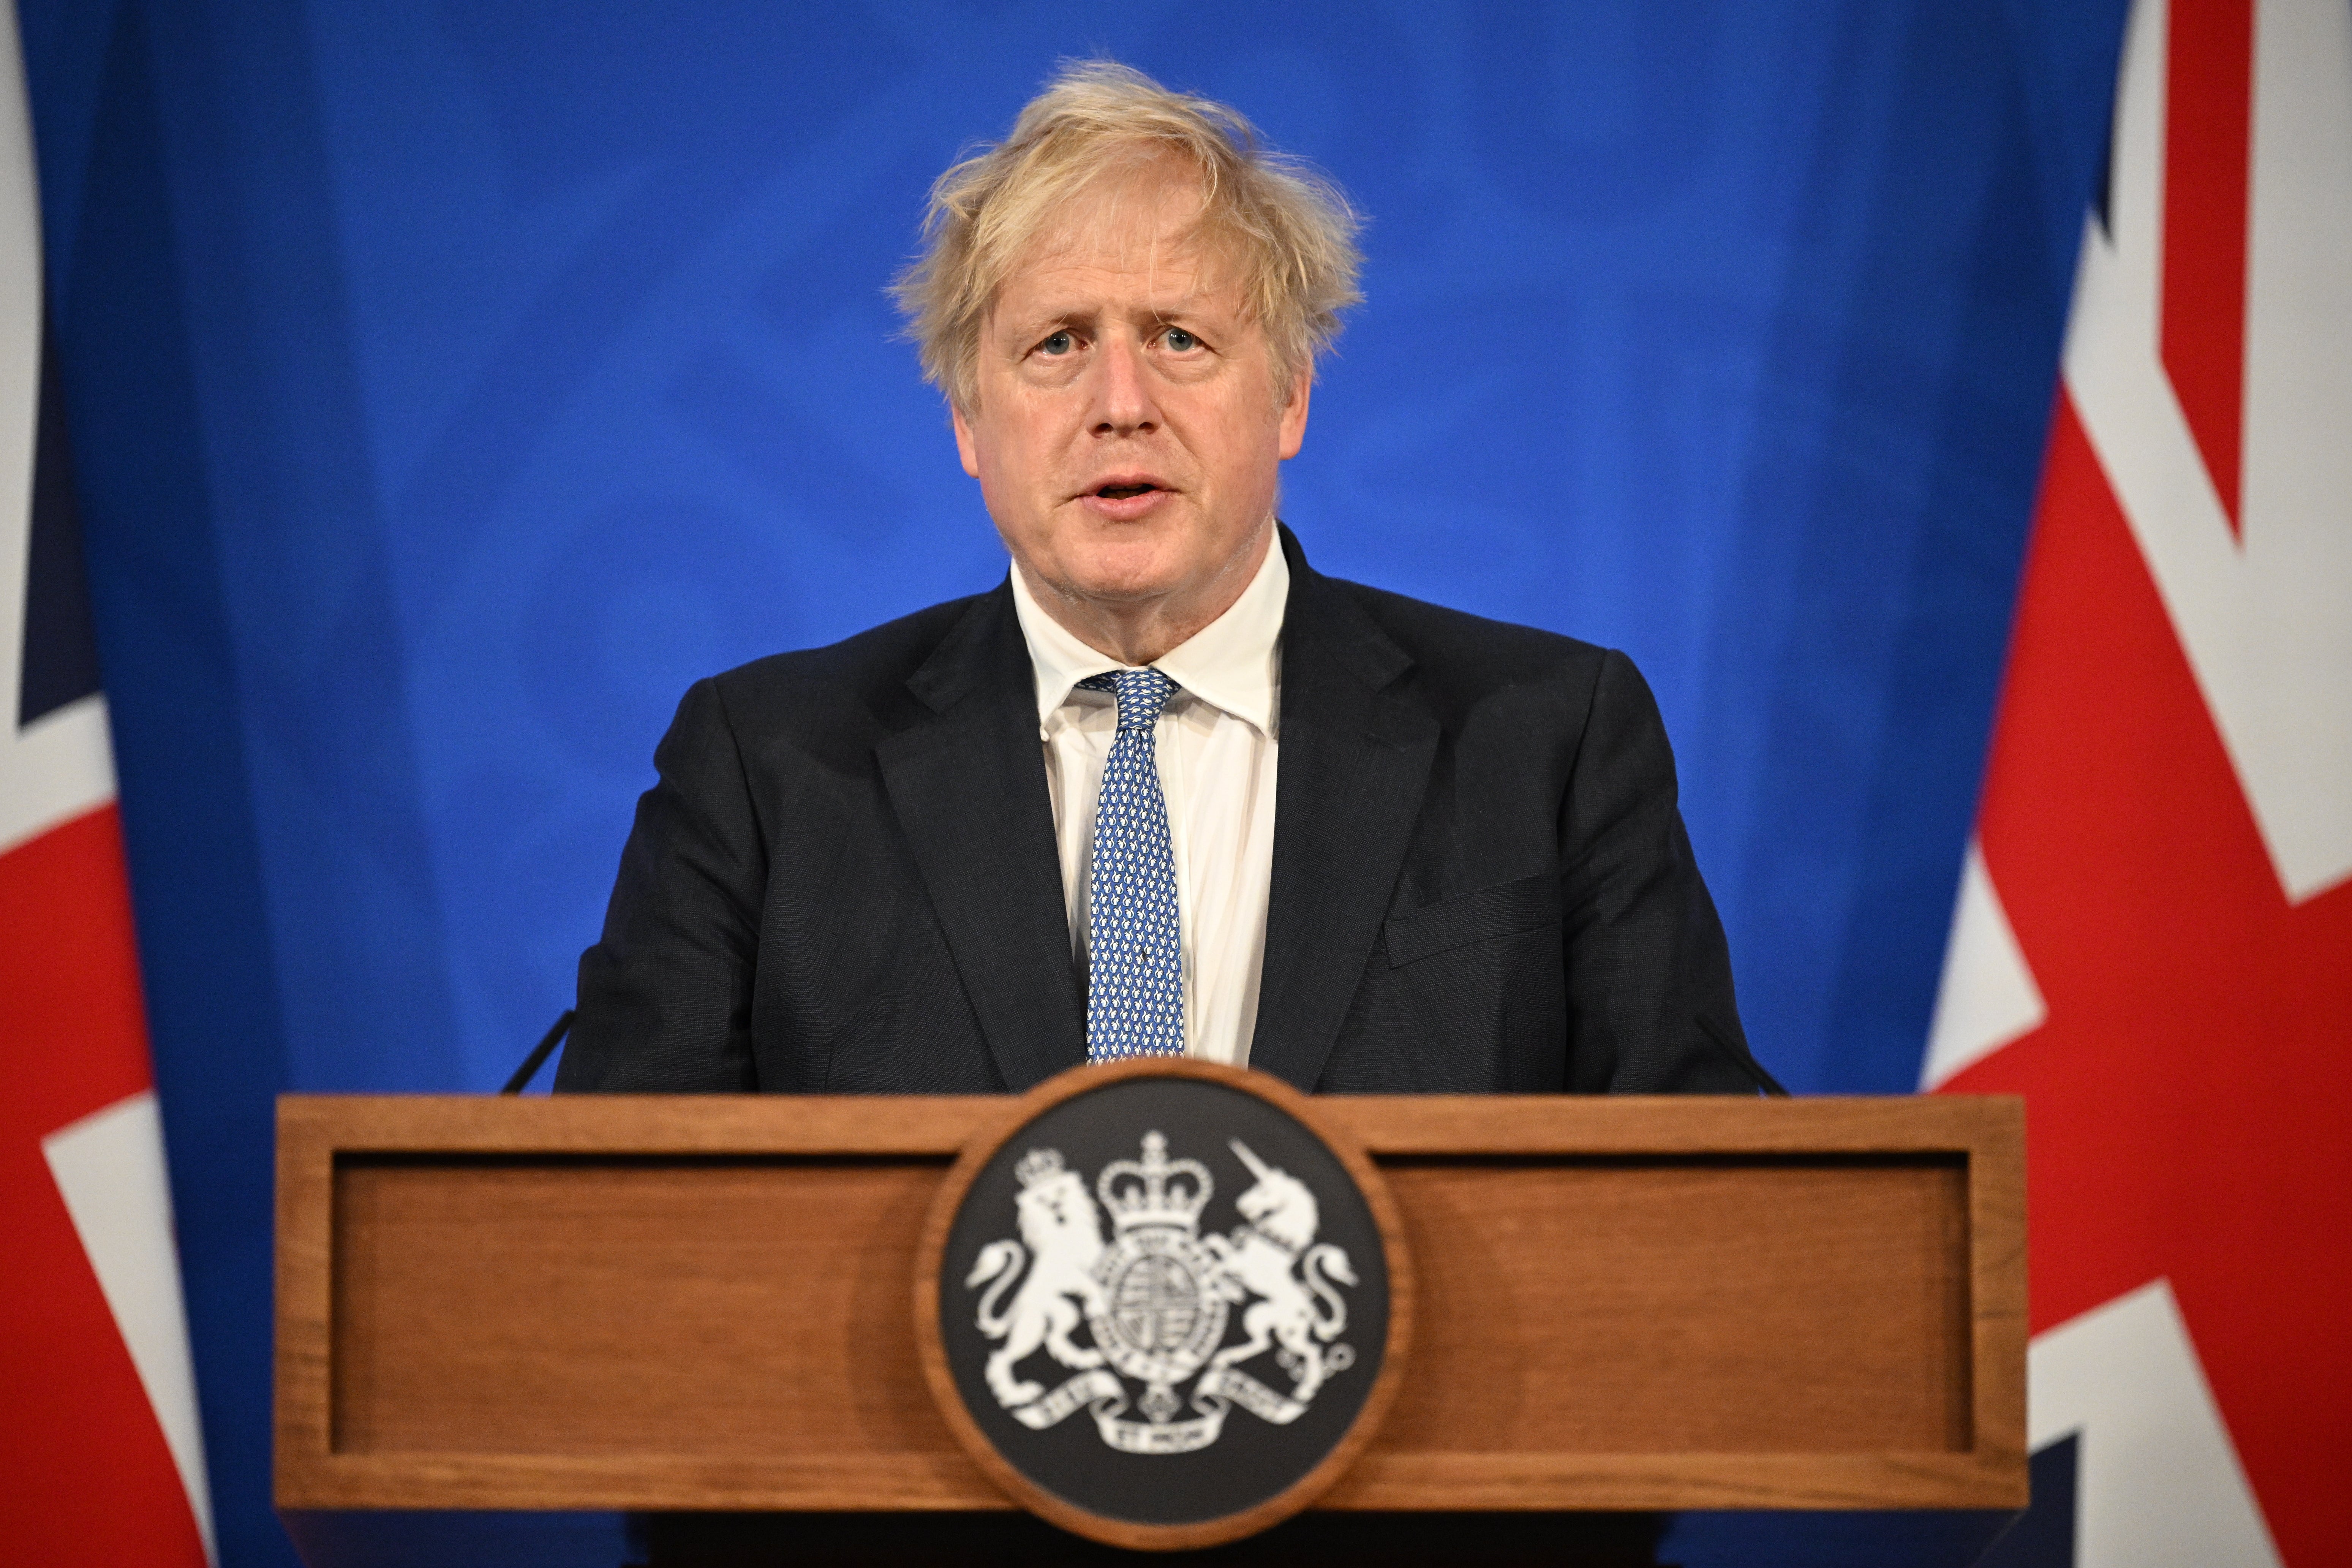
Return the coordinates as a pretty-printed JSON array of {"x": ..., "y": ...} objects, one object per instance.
[{"x": 1231, "y": 663}]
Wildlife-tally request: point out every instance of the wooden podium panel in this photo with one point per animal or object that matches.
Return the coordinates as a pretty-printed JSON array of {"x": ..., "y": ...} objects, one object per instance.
[
  {"x": 1686, "y": 1303},
  {"x": 705, "y": 1303}
]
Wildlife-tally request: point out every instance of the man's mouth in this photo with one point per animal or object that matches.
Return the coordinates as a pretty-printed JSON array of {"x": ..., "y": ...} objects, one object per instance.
[{"x": 1121, "y": 492}]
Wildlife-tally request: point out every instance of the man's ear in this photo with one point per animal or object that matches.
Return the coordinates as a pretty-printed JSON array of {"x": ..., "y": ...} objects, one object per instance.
[
  {"x": 967, "y": 447},
  {"x": 1292, "y": 432}
]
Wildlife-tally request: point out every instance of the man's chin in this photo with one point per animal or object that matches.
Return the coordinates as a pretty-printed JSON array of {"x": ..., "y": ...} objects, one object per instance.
[
  {"x": 1123, "y": 571},
  {"x": 1119, "y": 588}
]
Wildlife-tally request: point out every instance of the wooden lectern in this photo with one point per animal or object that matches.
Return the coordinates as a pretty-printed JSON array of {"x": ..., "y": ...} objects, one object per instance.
[{"x": 682, "y": 1305}]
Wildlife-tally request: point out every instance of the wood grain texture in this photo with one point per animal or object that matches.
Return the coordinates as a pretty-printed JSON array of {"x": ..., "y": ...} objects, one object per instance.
[
  {"x": 1622, "y": 1303},
  {"x": 476, "y": 1308},
  {"x": 1459, "y": 1124},
  {"x": 1616, "y": 1306},
  {"x": 641, "y": 1124},
  {"x": 1336, "y": 1134}
]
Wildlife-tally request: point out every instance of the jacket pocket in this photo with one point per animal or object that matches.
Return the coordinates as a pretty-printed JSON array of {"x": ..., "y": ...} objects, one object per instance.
[{"x": 1506, "y": 909}]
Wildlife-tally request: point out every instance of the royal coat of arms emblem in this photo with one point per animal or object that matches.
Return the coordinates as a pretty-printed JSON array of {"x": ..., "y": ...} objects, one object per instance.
[{"x": 1156, "y": 1300}]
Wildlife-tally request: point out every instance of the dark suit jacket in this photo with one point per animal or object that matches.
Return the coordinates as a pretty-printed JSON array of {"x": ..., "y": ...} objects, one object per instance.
[{"x": 846, "y": 877}]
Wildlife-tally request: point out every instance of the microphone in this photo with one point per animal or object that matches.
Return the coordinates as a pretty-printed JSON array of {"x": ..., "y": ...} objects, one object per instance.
[
  {"x": 538, "y": 1054},
  {"x": 1742, "y": 1057}
]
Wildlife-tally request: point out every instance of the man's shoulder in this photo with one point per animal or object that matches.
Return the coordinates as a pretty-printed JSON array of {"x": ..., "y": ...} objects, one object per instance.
[
  {"x": 1456, "y": 650},
  {"x": 863, "y": 675}
]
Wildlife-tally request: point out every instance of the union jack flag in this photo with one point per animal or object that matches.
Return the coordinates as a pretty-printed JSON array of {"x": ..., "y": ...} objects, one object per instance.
[
  {"x": 2154, "y": 936},
  {"x": 100, "y": 1441}
]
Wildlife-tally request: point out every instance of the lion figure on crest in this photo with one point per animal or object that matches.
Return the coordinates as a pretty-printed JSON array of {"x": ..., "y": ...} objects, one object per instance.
[
  {"x": 1063, "y": 1231},
  {"x": 1282, "y": 1216}
]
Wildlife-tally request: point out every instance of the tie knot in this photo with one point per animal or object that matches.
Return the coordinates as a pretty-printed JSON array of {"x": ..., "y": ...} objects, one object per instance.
[{"x": 1140, "y": 694}]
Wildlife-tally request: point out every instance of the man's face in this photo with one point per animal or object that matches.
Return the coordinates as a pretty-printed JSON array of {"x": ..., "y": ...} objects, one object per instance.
[{"x": 1126, "y": 427}]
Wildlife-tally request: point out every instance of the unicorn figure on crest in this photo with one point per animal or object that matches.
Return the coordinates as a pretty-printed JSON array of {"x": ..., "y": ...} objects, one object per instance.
[{"x": 1278, "y": 1238}]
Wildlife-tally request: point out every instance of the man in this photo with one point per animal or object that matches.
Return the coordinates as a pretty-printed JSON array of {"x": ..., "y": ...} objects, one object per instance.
[{"x": 1167, "y": 789}]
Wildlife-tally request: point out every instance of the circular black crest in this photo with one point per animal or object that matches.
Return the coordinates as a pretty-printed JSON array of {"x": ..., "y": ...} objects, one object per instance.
[{"x": 1163, "y": 1303}]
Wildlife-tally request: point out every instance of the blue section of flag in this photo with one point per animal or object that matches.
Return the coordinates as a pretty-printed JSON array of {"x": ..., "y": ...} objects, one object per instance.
[
  {"x": 2044, "y": 1535},
  {"x": 59, "y": 662}
]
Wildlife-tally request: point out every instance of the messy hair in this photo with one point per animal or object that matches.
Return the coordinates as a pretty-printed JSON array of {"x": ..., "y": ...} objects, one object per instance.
[{"x": 1288, "y": 228}]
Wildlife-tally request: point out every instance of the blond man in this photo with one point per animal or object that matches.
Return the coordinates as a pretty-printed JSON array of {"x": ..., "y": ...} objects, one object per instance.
[{"x": 1165, "y": 789}]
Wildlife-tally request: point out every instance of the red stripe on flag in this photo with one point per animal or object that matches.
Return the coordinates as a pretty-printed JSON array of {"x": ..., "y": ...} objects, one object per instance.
[
  {"x": 89, "y": 1479},
  {"x": 70, "y": 998},
  {"x": 2208, "y": 111},
  {"x": 2186, "y": 1101}
]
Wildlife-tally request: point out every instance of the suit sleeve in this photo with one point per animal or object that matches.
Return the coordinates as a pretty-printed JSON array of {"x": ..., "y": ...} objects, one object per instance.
[
  {"x": 665, "y": 996},
  {"x": 1650, "y": 1000}
]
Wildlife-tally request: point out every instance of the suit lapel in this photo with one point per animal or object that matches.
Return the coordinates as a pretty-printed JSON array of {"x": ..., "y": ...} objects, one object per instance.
[
  {"x": 1355, "y": 761},
  {"x": 968, "y": 784}
]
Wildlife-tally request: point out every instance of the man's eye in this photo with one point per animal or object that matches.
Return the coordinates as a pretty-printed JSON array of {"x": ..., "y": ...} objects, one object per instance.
[
  {"x": 1181, "y": 342},
  {"x": 1059, "y": 342}
]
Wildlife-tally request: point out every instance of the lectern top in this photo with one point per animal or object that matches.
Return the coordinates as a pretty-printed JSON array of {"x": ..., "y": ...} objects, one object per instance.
[{"x": 708, "y": 1303}]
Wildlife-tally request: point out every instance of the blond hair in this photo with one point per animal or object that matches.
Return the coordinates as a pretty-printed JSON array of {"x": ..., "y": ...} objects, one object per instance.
[{"x": 1290, "y": 230}]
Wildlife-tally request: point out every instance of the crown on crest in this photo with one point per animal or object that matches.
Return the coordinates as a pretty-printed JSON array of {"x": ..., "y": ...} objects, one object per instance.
[
  {"x": 1160, "y": 1191},
  {"x": 1038, "y": 1165}
]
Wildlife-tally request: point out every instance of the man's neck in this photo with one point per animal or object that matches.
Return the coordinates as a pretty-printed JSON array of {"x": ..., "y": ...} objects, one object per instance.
[{"x": 1138, "y": 632}]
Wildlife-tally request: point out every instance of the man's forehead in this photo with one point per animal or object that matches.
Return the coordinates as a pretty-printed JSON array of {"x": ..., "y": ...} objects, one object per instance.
[
  {"x": 1076, "y": 283},
  {"x": 1140, "y": 235}
]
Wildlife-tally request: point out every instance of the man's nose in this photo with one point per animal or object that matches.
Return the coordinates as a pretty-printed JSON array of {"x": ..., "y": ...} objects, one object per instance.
[{"x": 1124, "y": 403}]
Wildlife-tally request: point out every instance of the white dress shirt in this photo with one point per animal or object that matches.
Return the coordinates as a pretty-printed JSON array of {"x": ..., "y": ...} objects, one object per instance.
[{"x": 1215, "y": 743}]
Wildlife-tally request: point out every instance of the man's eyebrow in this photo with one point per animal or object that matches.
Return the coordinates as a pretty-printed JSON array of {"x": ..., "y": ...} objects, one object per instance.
[
  {"x": 1195, "y": 305},
  {"x": 1032, "y": 320},
  {"x": 1198, "y": 305}
]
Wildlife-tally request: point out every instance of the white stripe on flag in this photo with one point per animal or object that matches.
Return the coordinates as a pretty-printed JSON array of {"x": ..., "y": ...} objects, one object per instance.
[
  {"x": 1987, "y": 997},
  {"x": 2156, "y": 1482},
  {"x": 109, "y": 1167},
  {"x": 2266, "y": 621}
]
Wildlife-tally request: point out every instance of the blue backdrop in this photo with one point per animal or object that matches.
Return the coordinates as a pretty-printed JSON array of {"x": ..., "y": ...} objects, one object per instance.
[{"x": 452, "y": 382}]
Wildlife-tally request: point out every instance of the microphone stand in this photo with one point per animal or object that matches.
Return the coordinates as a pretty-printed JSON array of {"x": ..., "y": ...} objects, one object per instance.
[{"x": 538, "y": 1054}]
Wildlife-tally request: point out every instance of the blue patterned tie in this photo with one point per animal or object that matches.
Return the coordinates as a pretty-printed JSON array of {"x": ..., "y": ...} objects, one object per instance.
[{"x": 1135, "y": 991}]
